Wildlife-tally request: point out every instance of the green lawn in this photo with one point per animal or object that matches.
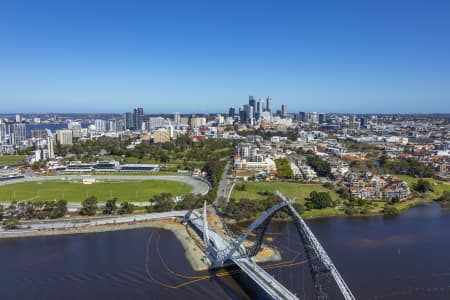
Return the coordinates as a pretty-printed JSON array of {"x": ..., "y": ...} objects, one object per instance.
[
  {"x": 11, "y": 159},
  {"x": 289, "y": 189},
  {"x": 77, "y": 192},
  {"x": 439, "y": 186}
]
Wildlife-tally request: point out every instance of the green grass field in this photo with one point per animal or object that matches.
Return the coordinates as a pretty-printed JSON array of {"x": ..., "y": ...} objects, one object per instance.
[
  {"x": 77, "y": 192},
  {"x": 289, "y": 189},
  {"x": 439, "y": 186},
  {"x": 11, "y": 159}
]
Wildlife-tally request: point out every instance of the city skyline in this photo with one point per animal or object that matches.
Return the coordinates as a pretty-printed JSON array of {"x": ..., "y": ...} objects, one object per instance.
[{"x": 358, "y": 58}]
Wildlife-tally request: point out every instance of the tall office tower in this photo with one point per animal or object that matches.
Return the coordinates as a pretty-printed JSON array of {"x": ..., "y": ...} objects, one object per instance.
[
  {"x": 302, "y": 116},
  {"x": 242, "y": 114},
  {"x": 51, "y": 152},
  {"x": 138, "y": 118},
  {"x": 322, "y": 118},
  {"x": 248, "y": 116},
  {"x": 112, "y": 125},
  {"x": 284, "y": 110},
  {"x": 363, "y": 122},
  {"x": 252, "y": 103},
  {"x": 251, "y": 114},
  {"x": 259, "y": 108},
  {"x": 269, "y": 104},
  {"x": 314, "y": 118},
  {"x": 100, "y": 125},
  {"x": 18, "y": 119},
  {"x": 231, "y": 112},
  {"x": 128, "y": 120},
  {"x": 177, "y": 118},
  {"x": 17, "y": 133}
]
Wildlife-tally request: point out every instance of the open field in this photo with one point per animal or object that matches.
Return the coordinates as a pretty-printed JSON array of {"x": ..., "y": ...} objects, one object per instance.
[
  {"x": 77, "y": 192},
  {"x": 11, "y": 159},
  {"x": 439, "y": 186},
  {"x": 298, "y": 190}
]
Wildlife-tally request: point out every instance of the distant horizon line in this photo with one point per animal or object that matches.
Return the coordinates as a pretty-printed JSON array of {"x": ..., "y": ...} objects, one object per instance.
[{"x": 226, "y": 113}]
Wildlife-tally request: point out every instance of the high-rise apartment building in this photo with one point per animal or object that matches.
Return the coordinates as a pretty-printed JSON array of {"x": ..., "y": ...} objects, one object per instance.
[
  {"x": 64, "y": 136},
  {"x": 100, "y": 125},
  {"x": 128, "y": 120},
  {"x": 51, "y": 152},
  {"x": 177, "y": 118},
  {"x": 17, "y": 133},
  {"x": 112, "y": 125}
]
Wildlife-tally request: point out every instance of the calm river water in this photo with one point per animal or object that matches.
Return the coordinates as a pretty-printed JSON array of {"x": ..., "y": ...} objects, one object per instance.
[{"x": 406, "y": 257}]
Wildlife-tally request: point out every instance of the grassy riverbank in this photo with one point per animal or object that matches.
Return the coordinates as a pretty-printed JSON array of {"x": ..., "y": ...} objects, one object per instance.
[{"x": 300, "y": 191}]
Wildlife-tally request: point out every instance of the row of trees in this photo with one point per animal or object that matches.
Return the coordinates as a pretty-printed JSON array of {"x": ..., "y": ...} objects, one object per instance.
[
  {"x": 320, "y": 166},
  {"x": 406, "y": 166},
  {"x": 34, "y": 210},
  {"x": 90, "y": 207}
]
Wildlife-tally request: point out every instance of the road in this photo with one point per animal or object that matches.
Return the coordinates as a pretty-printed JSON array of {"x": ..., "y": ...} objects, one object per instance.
[
  {"x": 223, "y": 190},
  {"x": 78, "y": 223}
]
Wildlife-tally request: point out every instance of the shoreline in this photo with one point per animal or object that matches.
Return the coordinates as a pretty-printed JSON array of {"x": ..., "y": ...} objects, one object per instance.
[{"x": 190, "y": 242}]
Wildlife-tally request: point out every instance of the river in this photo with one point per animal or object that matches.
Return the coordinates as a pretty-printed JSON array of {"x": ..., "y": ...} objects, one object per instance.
[{"x": 404, "y": 257}]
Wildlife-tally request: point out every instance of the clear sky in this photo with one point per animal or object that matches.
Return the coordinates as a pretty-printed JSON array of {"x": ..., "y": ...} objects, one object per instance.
[{"x": 328, "y": 56}]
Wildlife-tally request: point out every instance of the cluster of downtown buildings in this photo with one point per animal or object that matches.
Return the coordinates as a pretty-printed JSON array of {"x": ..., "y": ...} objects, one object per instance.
[{"x": 425, "y": 138}]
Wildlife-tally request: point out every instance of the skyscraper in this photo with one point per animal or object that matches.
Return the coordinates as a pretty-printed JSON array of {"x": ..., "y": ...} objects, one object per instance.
[
  {"x": 322, "y": 118},
  {"x": 138, "y": 118},
  {"x": 231, "y": 112},
  {"x": 128, "y": 120},
  {"x": 177, "y": 118},
  {"x": 259, "y": 108},
  {"x": 252, "y": 104},
  {"x": 2, "y": 131},
  {"x": 51, "y": 152},
  {"x": 242, "y": 114},
  {"x": 302, "y": 116},
  {"x": 17, "y": 133},
  {"x": 112, "y": 126},
  {"x": 284, "y": 110},
  {"x": 64, "y": 136},
  {"x": 269, "y": 104},
  {"x": 100, "y": 125}
]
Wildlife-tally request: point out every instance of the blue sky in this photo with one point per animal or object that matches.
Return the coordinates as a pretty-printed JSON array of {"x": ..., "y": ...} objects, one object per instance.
[{"x": 197, "y": 56}]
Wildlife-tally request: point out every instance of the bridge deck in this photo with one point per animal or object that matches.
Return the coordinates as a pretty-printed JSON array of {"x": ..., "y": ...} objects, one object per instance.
[{"x": 272, "y": 287}]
